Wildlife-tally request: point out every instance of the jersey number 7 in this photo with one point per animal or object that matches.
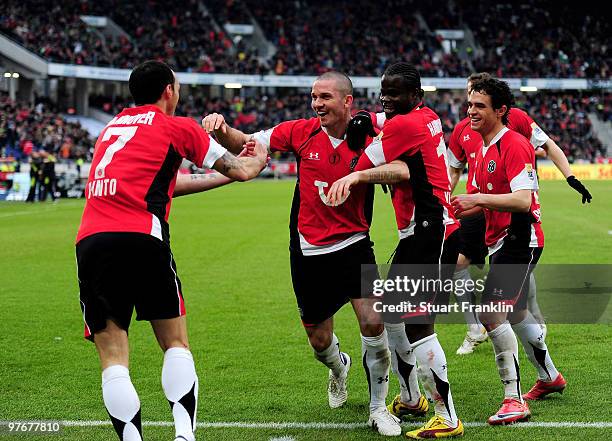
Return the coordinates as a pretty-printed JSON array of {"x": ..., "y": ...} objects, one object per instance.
[{"x": 124, "y": 135}]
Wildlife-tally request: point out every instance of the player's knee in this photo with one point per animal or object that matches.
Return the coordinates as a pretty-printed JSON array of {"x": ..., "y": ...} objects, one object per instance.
[
  {"x": 319, "y": 340},
  {"x": 166, "y": 344},
  {"x": 371, "y": 329}
]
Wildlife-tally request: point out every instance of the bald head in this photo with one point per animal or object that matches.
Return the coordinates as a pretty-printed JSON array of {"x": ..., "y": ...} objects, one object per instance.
[{"x": 343, "y": 83}]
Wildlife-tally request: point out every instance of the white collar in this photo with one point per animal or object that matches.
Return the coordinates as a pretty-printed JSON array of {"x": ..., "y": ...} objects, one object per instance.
[
  {"x": 497, "y": 137},
  {"x": 335, "y": 142}
]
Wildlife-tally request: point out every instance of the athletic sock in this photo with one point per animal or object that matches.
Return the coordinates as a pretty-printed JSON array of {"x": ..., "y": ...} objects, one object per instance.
[
  {"x": 506, "y": 359},
  {"x": 180, "y": 384},
  {"x": 433, "y": 373},
  {"x": 466, "y": 301},
  {"x": 122, "y": 403},
  {"x": 376, "y": 361},
  {"x": 533, "y": 341},
  {"x": 331, "y": 357},
  {"x": 532, "y": 300},
  {"x": 403, "y": 363}
]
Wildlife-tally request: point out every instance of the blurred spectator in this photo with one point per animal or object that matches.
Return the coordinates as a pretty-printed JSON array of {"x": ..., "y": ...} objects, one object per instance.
[{"x": 25, "y": 128}]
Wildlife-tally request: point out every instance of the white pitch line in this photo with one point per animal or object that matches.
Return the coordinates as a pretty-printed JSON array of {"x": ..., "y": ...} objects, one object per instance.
[{"x": 345, "y": 426}]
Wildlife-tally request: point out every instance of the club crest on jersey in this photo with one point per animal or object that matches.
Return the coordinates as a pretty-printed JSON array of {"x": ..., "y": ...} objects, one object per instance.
[
  {"x": 491, "y": 166},
  {"x": 334, "y": 158},
  {"x": 313, "y": 155}
]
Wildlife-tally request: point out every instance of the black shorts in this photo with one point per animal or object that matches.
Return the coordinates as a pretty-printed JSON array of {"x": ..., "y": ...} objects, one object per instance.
[
  {"x": 324, "y": 283},
  {"x": 508, "y": 278},
  {"x": 425, "y": 256},
  {"x": 472, "y": 238},
  {"x": 122, "y": 271}
]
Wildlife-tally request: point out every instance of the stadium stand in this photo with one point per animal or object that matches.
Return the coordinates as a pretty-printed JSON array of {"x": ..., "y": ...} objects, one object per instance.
[
  {"x": 190, "y": 37},
  {"x": 540, "y": 38},
  {"x": 25, "y": 128}
]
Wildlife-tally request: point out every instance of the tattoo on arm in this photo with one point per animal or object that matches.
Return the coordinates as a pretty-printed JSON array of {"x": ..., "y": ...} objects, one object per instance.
[
  {"x": 203, "y": 177},
  {"x": 230, "y": 162},
  {"x": 383, "y": 177}
]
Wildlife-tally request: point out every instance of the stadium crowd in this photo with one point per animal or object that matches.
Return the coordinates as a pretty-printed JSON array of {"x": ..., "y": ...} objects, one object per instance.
[
  {"x": 306, "y": 36},
  {"x": 26, "y": 128},
  {"x": 573, "y": 44},
  {"x": 169, "y": 31},
  {"x": 539, "y": 38},
  {"x": 563, "y": 116}
]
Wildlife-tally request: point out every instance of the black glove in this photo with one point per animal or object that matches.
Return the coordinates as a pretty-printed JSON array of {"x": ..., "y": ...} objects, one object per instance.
[
  {"x": 358, "y": 128},
  {"x": 577, "y": 185}
]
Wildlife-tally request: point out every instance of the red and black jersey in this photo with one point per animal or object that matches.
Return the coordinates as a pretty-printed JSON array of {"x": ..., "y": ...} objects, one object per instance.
[
  {"x": 133, "y": 172},
  {"x": 316, "y": 227},
  {"x": 465, "y": 142},
  {"x": 505, "y": 166},
  {"x": 417, "y": 139}
]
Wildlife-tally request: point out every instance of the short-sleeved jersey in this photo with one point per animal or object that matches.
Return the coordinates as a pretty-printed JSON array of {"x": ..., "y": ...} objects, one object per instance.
[
  {"x": 133, "y": 172},
  {"x": 464, "y": 142},
  {"x": 315, "y": 226},
  {"x": 417, "y": 139},
  {"x": 507, "y": 165}
]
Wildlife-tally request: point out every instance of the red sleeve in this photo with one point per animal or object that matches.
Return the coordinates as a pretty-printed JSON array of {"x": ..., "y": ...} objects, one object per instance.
[
  {"x": 520, "y": 122},
  {"x": 401, "y": 136},
  {"x": 518, "y": 162},
  {"x": 364, "y": 163},
  {"x": 189, "y": 139},
  {"x": 282, "y": 137}
]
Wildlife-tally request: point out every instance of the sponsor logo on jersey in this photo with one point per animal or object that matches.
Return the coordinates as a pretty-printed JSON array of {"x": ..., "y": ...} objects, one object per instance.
[
  {"x": 466, "y": 137},
  {"x": 491, "y": 166},
  {"x": 313, "y": 155}
]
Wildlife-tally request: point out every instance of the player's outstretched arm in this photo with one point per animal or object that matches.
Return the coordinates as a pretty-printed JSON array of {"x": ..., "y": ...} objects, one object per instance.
[
  {"x": 230, "y": 138},
  {"x": 392, "y": 173},
  {"x": 243, "y": 168},
  {"x": 518, "y": 201},
  {"x": 557, "y": 156},
  {"x": 189, "y": 184}
]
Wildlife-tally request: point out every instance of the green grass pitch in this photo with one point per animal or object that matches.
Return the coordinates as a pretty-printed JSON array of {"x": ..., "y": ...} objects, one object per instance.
[{"x": 252, "y": 356}]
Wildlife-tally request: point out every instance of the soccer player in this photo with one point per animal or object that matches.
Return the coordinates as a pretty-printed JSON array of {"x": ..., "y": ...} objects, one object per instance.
[
  {"x": 123, "y": 243},
  {"x": 463, "y": 146},
  {"x": 328, "y": 244},
  {"x": 504, "y": 174},
  {"x": 413, "y": 134}
]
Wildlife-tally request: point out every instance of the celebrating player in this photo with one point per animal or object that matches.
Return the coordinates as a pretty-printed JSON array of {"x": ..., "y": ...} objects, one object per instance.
[
  {"x": 123, "y": 244},
  {"x": 328, "y": 243},
  {"x": 505, "y": 176},
  {"x": 413, "y": 133},
  {"x": 463, "y": 146}
]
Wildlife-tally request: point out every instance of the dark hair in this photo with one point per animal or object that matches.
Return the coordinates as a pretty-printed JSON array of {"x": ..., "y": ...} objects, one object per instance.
[
  {"x": 409, "y": 73},
  {"x": 148, "y": 81},
  {"x": 498, "y": 90},
  {"x": 345, "y": 85},
  {"x": 479, "y": 76}
]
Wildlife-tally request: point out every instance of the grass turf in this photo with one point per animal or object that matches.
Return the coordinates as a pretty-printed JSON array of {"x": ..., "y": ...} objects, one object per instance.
[{"x": 252, "y": 356}]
